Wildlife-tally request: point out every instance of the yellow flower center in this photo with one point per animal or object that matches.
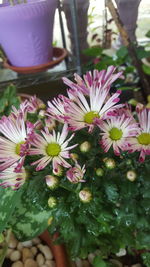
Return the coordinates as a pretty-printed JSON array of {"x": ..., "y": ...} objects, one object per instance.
[
  {"x": 18, "y": 147},
  {"x": 53, "y": 149},
  {"x": 115, "y": 134},
  {"x": 144, "y": 139},
  {"x": 90, "y": 116}
]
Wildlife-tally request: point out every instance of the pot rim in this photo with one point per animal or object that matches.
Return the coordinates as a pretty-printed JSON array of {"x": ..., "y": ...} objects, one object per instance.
[{"x": 59, "y": 252}]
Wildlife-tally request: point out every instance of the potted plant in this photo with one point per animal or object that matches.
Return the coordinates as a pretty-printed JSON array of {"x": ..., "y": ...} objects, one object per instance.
[
  {"x": 80, "y": 167},
  {"x": 27, "y": 31}
]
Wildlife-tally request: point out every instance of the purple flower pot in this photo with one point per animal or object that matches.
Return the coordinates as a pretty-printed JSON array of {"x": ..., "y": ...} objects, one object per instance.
[{"x": 26, "y": 32}]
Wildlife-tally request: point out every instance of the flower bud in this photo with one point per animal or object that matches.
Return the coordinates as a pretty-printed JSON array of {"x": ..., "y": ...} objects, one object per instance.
[
  {"x": 74, "y": 156},
  {"x": 148, "y": 98},
  {"x": 129, "y": 162},
  {"x": 131, "y": 175},
  {"x": 76, "y": 174},
  {"x": 85, "y": 147},
  {"x": 51, "y": 181},
  {"x": 85, "y": 195},
  {"x": 59, "y": 171},
  {"x": 52, "y": 201},
  {"x": 49, "y": 222},
  {"x": 99, "y": 172},
  {"x": 50, "y": 124},
  {"x": 41, "y": 113},
  {"x": 110, "y": 163}
]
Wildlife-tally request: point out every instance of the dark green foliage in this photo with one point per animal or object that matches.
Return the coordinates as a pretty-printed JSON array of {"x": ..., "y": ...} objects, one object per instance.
[
  {"x": 118, "y": 214},
  {"x": 8, "y": 98}
]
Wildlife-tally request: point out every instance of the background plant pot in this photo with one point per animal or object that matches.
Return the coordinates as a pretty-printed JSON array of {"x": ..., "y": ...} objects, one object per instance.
[
  {"x": 27, "y": 31},
  {"x": 59, "y": 252}
]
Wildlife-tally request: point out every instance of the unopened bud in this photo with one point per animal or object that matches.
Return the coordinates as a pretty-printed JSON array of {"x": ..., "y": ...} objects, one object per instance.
[
  {"x": 42, "y": 106},
  {"x": 85, "y": 147},
  {"x": 85, "y": 195},
  {"x": 50, "y": 220},
  {"x": 59, "y": 171},
  {"x": 99, "y": 172},
  {"x": 52, "y": 201},
  {"x": 133, "y": 102},
  {"x": 129, "y": 162},
  {"x": 110, "y": 163},
  {"x": 131, "y": 176},
  {"x": 42, "y": 113},
  {"x": 74, "y": 156},
  {"x": 52, "y": 181},
  {"x": 148, "y": 98}
]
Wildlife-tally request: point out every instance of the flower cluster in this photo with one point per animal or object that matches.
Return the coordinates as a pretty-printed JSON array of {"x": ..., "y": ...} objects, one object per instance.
[
  {"x": 79, "y": 166},
  {"x": 89, "y": 105}
]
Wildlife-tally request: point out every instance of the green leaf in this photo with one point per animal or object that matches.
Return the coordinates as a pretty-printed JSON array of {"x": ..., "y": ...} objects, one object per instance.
[
  {"x": 122, "y": 52},
  {"x": 148, "y": 34},
  {"x": 94, "y": 51},
  {"x": 146, "y": 69},
  {"x": 146, "y": 259},
  {"x": 9, "y": 200},
  {"x": 32, "y": 212},
  {"x": 126, "y": 88},
  {"x": 142, "y": 53},
  {"x": 99, "y": 262}
]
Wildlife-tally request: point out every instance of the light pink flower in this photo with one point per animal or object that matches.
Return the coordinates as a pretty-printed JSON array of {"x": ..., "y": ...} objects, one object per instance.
[
  {"x": 56, "y": 109},
  {"x": 76, "y": 174},
  {"x": 54, "y": 148},
  {"x": 141, "y": 142},
  {"x": 116, "y": 132},
  {"x": 83, "y": 112},
  {"x": 98, "y": 79},
  {"x": 15, "y": 140}
]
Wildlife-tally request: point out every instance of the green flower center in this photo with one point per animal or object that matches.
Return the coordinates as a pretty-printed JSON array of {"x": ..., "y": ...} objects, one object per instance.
[
  {"x": 115, "y": 134},
  {"x": 144, "y": 139},
  {"x": 18, "y": 147},
  {"x": 53, "y": 149},
  {"x": 90, "y": 116}
]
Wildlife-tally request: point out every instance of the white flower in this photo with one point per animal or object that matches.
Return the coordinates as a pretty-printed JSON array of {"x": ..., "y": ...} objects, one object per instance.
[{"x": 53, "y": 147}]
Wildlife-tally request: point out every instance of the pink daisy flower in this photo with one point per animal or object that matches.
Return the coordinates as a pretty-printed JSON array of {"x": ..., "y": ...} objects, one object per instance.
[
  {"x": 9, "y": 178},
  {"x": 15, "y": 140},
  {"x": 141, "y": 142},
  {"x": 83, "y": 112},
  {"x": 56, "y": 109},
  {"x": 53, "y": 147},
  {"x": 98, "y": 79},
  {"x": 116, "y": 132}
]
